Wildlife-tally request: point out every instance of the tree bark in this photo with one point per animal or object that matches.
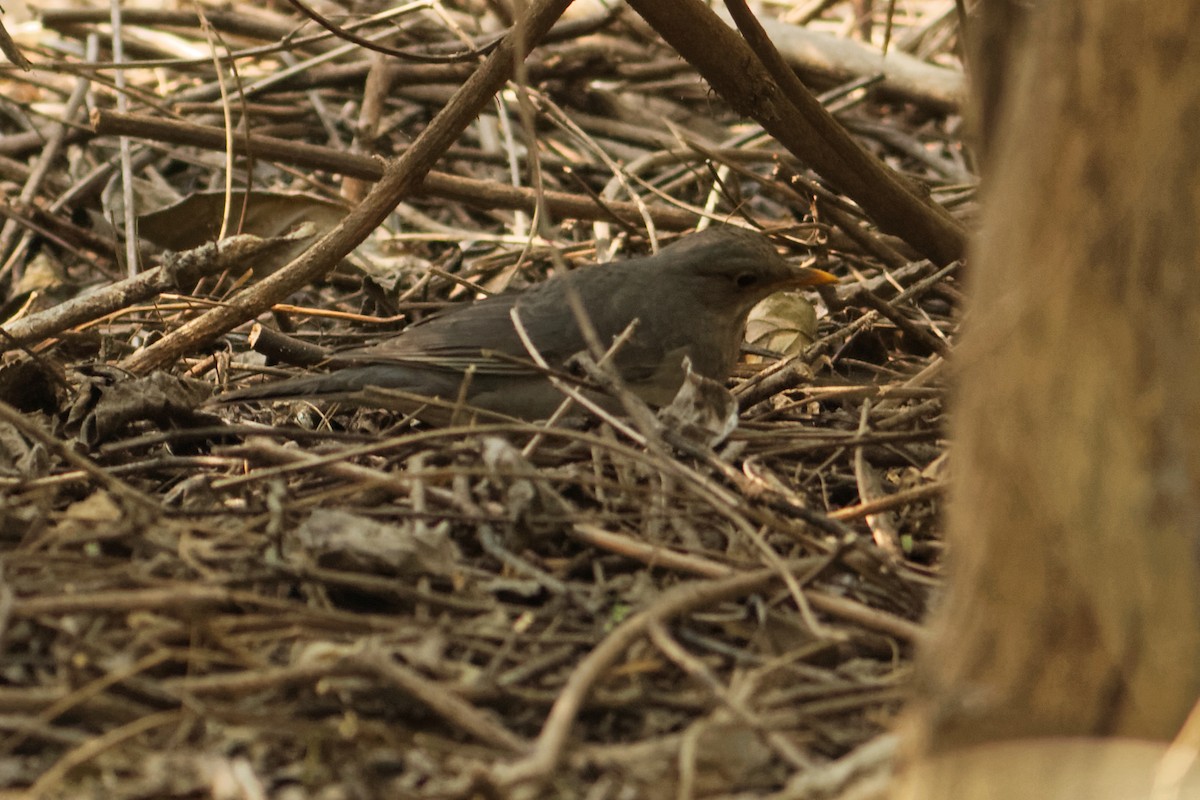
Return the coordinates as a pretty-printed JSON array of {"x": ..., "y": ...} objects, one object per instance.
[{"x": 1074, "y": 601}]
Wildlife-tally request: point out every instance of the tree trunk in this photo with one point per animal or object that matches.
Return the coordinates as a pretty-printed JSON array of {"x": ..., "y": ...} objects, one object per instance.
[{"x": 1074, "y": 601}]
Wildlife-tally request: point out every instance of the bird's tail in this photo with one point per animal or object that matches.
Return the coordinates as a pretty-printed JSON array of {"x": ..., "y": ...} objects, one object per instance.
[{"x": 309, "y": 387}]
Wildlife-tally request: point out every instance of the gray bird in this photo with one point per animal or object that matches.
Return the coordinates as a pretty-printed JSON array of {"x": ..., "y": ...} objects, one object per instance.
[{"x": 690, "y": 299}]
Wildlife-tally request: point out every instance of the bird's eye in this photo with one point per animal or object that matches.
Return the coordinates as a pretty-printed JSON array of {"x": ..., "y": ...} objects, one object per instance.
[{"x": 745, "y": 280}]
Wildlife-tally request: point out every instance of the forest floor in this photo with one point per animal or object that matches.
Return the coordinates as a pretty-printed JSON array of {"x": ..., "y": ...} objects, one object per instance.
[{"x": 303, "y": 600}]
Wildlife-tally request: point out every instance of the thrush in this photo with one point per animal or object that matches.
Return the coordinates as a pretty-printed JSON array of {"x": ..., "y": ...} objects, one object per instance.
[{"x": 690, "y": 300}]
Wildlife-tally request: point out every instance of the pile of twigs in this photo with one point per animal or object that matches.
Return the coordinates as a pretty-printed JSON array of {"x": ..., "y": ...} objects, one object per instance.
[{"x": 301, "y": 600}]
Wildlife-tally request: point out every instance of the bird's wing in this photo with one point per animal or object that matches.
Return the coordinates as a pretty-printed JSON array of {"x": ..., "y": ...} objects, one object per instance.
[{"x": 480, "y": 335}]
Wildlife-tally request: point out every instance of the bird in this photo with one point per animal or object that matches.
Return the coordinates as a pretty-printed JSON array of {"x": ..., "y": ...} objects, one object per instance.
[{"x": 690, "y": 301}]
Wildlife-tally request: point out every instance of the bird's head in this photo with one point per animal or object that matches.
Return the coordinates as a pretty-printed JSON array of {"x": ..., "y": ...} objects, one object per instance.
[{"x": 732, "y": 269}]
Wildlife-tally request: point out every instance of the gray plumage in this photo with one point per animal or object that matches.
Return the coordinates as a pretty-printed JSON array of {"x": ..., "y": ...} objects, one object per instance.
[{"x": 691, "y": 299}]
